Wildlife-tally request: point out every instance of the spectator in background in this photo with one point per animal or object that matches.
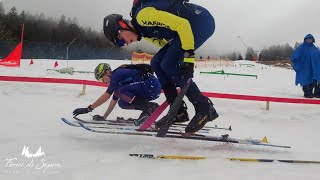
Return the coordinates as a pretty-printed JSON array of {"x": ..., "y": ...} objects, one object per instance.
[{"x": 306, "y": 63}]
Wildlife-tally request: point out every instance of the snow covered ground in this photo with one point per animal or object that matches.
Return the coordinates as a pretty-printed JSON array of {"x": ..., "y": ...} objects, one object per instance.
[{"x": 30, "y": 117}]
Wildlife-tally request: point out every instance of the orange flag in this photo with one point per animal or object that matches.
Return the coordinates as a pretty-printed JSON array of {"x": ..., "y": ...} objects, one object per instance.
[
  {"x": 56, "y": 64},
  {"x": 31, "y": 62}
]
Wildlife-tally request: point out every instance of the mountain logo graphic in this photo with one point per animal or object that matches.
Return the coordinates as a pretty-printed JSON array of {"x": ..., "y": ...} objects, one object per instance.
[{"x": 26, "y": 152}]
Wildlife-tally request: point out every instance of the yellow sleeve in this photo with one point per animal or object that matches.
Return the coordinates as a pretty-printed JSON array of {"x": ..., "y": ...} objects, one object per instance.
[
  {"x": 158, "y": 42},
  {"x": 150, "y": 16}
]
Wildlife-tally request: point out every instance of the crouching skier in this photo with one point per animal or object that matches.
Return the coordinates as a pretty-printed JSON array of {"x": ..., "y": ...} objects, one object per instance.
[
  {"x": 132, "y": 86},
  {"x": 179, "y": 28}
]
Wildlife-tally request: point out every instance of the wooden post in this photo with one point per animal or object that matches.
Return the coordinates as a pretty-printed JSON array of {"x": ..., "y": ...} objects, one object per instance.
[
  {"x": 83, "y": 90},
  {"x": 268, "y": 106}
]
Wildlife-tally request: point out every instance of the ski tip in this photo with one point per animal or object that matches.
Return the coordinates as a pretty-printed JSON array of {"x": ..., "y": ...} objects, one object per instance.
[
  {"x": 66, "y": 121},
  {"x": 147, "y": 156},
  {"x": 265, "y": 140},
  {"x": 84, "y": 126}
]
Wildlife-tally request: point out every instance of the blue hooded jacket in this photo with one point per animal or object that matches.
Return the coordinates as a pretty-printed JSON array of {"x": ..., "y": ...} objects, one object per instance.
[{"x": 306, "y": 62}]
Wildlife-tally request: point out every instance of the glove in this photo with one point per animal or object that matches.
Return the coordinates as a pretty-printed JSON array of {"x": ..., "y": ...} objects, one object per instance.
[
  {"x": 98, "y": 118},
  {"x": 187, "y": 68},
  {"x": 78, "y": 111}
]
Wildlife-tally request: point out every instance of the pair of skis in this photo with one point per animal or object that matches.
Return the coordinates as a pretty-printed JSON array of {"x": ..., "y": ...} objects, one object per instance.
[
  {"x": 119, "y": 129},
  {"x": 171, "y": 133},
  {"x": 127, "y": 127}
]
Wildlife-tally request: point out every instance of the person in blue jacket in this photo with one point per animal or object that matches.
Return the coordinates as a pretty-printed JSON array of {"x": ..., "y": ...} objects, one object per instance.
[
  {"x": 178, "y": 28},
  {"x": 132, "y": 86},
  {"x": 306, "y": 63}
]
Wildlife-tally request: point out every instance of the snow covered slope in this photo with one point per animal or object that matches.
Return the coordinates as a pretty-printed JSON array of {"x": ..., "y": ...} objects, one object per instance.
[{"x": 30, "y": 117}]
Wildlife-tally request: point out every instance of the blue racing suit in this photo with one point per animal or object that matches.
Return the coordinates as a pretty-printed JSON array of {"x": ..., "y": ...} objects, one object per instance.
[{"x": 130, "y": 84}]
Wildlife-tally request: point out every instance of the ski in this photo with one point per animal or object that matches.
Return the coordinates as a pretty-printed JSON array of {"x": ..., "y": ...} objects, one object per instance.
[
  {"x": 107, "y": 122},
  {"x": 182, "y": 126},
  {"x": 90, "y": 128},
  {"x": 129, "y": 122},
  {"x": 132, "y": 131},
  {"x": 211, "y": 127},
  {"x": 114, "y": 132},
  {"x": 154, "y": 116},
  {"x": 117, "y": 127},
  {"x": 167, "y": 121},
  {"x": 205, "y": 128},
  {"x": 76, "y": 124},
  {"x": 201, "y": 137},
  {"x": 153, "y": 156}
]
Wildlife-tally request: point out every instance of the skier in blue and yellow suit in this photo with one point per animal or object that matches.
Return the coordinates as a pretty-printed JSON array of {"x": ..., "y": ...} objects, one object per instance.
[{"x": 179, "y": 28}]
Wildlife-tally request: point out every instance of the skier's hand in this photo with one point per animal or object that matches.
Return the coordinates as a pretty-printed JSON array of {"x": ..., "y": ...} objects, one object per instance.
[
  {"x": 187, "y": 68},
  {"x": 98, "y": 118},
  {"x": 78, "y": 111}
]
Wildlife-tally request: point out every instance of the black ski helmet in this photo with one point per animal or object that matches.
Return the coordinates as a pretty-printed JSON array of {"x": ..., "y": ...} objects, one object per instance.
[{"x": 111, "y": 27}]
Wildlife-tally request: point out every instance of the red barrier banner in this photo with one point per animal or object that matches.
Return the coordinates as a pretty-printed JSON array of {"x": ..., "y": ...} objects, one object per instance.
[
  {"x": 208, "y": 94},
  {"x": 52, "y": 80},
  {"x": 261, "y": 98}
]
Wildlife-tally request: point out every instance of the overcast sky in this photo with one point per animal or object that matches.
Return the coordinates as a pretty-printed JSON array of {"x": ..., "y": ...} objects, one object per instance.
[{"x": 259, "y": 23}]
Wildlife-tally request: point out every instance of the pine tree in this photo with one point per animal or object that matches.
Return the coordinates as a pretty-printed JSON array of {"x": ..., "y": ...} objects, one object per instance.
[
  {"x": 47, "y": 38},
  {"x": 233, "y": 56},
  {"x": 240, "y": 57},
  {"x": 13, "y": 13}
]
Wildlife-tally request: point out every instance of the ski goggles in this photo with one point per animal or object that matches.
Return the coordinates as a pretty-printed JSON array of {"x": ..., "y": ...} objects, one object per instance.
[
  {"x": 122, "y": 25},
  {"x": 121, "y": 42}
]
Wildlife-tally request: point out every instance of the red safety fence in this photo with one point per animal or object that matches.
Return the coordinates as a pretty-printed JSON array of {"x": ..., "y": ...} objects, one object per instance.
[
  {"x": 209, "y": 94},
  {"x": 261, "y": 98},
  {"x": 52, "y": 80}
]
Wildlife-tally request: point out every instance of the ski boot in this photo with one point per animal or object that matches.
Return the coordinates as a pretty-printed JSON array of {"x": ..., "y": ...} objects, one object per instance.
[
  {"x": 201, "y": 118},
  {"x": 317, "y": 90},
  {"x": 308, "y": 89},
  {"x": 309, "y": 96},
  {"x": 182, "y": 116},
  {"x": 146, "y": 112}
]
